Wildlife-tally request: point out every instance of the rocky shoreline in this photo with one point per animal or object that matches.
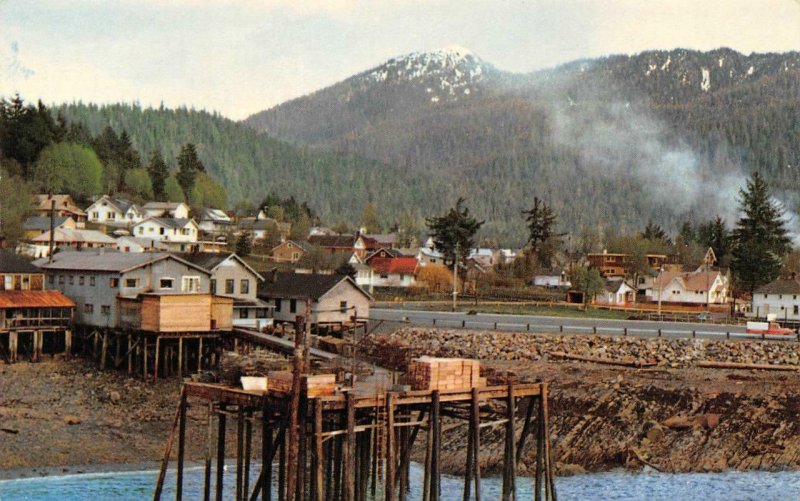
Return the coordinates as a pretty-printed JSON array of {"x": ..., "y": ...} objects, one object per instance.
[{"x": 674, "y": 417}]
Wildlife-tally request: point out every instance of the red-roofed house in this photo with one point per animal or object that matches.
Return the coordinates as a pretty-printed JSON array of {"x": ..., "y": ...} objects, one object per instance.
[{"x": 387, "y": 269}]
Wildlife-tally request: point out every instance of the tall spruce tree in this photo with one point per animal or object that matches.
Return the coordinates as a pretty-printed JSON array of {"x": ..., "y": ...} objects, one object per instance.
[
  {"x": 454, "y": 230},
  {"x": 541, "y": 219},
  {"x": 159, "y": 172},
  {"x": 760, "y": 238},
  {"x": 188, "y": 166}
]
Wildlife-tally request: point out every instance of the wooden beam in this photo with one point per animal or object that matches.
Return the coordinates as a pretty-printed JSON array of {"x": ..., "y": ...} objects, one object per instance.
[
  {"x": 390, "y": 445},
  {"x": 181, "y": 447},
  {"x": 167, "y": 450}
]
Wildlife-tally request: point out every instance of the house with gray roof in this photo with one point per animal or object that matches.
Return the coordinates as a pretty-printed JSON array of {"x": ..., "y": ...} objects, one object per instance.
[
  {"x": 114, "y": 212},
  {"x": 781, "y": 298},
  {"x": 167, "y": 229},
  {"x": 232, "y": 277},
  {"x": 335, "y": 299},
  {"x": 99, "y": 281}
]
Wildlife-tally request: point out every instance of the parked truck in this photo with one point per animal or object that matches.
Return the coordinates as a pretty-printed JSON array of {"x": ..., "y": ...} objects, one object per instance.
[{"x": 768, "y": 328}]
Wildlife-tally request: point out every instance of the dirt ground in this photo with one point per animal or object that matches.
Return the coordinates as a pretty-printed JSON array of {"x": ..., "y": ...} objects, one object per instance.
[{"x": 65, "y": 413}]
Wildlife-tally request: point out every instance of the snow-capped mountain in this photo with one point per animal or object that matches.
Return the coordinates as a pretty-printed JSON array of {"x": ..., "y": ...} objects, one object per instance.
[{"x": 447, "y": 73}]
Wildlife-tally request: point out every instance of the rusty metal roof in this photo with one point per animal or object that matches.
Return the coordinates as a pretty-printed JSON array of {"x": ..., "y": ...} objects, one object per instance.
[{"x": 34, "y": 299}]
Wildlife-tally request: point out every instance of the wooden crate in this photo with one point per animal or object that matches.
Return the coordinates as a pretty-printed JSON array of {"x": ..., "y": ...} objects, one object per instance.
[
  {"x": 315, "y": 385},
  {"x": 428, "y": 373}
]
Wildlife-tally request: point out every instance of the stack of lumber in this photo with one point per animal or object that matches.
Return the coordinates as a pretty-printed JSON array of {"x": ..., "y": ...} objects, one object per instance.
[
  {"x": 428, "y": 373},
  {"x": 317, "y": 385}
]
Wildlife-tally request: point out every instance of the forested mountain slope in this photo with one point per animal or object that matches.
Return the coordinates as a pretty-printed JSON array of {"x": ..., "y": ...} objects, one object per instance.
[{"x": 610, "y": 142}]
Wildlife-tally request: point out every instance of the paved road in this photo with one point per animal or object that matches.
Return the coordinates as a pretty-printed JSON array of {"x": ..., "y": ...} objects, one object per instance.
[{"x": 532, "y": 323}]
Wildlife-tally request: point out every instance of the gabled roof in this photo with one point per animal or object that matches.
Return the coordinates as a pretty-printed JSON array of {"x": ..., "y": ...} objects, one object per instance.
[
  {"x": 690, "y": 281},
  {"x": 384, "y": 252},
  {"x": 10, "y": 262},
  {"x": 120, "y": 204},
  {"x": 211, "y": 260},
  {"x": 68, "y": 235},
  {"x": 302, "y": 244},
  {"x": 780, "y": 286},
  {"x": 163, "y": 205},
  {"x": 613, "y": 286},
  {"x": 34, "y": 299},
  {"x": 63, "y": 202},
  {"x": 303, "y": 285},
  {"x": 333, "y": 241},
  {"x": 42, "y": 223},
  {"x": 215, "y": 215},
  {"x": 251, "y": 223},
  {"x": 108, "y": 260},
  {"x": 168, "y": 222},
  {"x": 404, "y": 265}
]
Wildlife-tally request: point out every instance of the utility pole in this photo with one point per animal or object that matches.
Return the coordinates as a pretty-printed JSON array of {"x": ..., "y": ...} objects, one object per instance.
[
  {"x": 52, "y": 227},
  {"x": 660, "y": 279},
  {"x": 455, "y": 277}
]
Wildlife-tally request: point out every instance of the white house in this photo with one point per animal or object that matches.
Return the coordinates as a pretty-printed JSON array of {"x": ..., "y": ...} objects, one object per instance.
[
  {"x": 426, "y": 256},
  {"x": 114, "y": 212},
  {"x": 387, "y": 270},
  {"x": 695, "y": 287},
  {"x": 552, "y": 278},
  {"x": 616, "y": 293},
  {"x": 138, "y": 244},
  {"x": 176, "y": 210},
  {"x": 215, "y": 221},
  {"x": 167, "y": 229},
  {"x": 66, "y": 238},
  {"x": 780, "y": 297}
]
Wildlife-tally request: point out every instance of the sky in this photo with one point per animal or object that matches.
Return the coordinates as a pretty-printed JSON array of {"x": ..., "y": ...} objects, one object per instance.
[{"x": 238, "y": 57}]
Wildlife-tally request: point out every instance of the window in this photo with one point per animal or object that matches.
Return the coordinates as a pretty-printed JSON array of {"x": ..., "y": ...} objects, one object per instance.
[
  {"x": 384, "y": 276},
  {"x": 81, "y": 280},
  {"x": 113, "y": 282},
  {"x": 72, "y": 279},
  {"x": 229, "y": 284},
  {"x": 51, "y": 279},
  {"x": 343, "y": 306},
  {"x": 293, "y": 306},
  {"x": 244, "y": 287},
  {"x": 112, "y": 215},
  {"x": 765, "y": 296},
  {"x": 190, "y": 284},
  {"x": 295, "y": 256},
  {"x": 277, "y": 305},
  {"x": 105, "y": 310},
  {"x": 796, "y": 310},
  {"x": 243, "y": 313},
  {"x": 61, "y": 280},
  {"x": 213, "y": 286},
  {"x": 131, "y": 282},
  {"x": 166, "y": 283},
  {"x": 91, "y": 281},
  {"x": 88, "y": 308}
]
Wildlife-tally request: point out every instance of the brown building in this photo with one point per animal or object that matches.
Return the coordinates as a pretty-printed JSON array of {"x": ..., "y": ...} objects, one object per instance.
[
  {"x": 290, "y": 251},
  {"x": 64, "y": 207},
  {"x": 615, "y": 264},
  {"x": 32, "y": 320}
]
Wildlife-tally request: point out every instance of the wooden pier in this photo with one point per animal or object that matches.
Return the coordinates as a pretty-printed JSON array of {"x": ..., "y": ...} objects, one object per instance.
[
  {"x": 151, "y": 355},
  {"x": 353, "y": 446}
]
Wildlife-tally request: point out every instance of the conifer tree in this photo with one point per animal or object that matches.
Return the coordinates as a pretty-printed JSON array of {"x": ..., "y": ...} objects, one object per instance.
[
  {"x": 189, "y": 165},
  {"x": 761, "y": 238},
  {"x": 159, "y": 172},
  {"x": 541, "y": 219},
  {"x": 453, "y": 232}
]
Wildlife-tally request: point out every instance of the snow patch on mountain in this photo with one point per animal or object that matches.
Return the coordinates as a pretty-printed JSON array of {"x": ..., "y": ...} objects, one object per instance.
[{"x": 450, "y": 70}]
